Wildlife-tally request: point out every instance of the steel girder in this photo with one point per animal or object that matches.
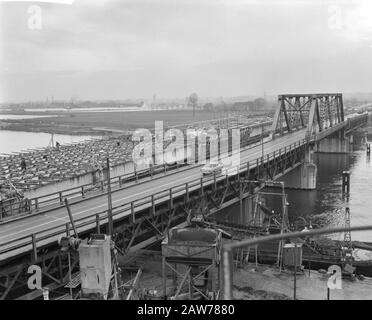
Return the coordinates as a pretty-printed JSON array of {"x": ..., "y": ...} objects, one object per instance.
[
  {"x": 315, "y": 112},
  {"x": 155, "y": 222}
]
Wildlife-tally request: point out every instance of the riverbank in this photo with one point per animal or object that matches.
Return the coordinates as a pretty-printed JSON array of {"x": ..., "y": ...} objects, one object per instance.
[{"x": 40, "y": 127}]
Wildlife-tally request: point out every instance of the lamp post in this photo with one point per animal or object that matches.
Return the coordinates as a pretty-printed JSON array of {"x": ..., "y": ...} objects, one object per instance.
[
  {"x": 109, "y": 198},
  {"x": 262, "y": 142}
]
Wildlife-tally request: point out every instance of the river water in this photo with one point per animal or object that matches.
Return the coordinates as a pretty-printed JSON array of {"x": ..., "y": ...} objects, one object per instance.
[
  {"x": 325, "y": 206},
  {"x": 17, "y": 141}
]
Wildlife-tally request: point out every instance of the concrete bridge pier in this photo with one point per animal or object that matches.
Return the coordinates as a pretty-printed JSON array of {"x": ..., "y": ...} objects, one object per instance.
[
  {"x": 303, "y": 176},
  {"x": 247, "y": 207},
  {"x": 339, "y": 142}
]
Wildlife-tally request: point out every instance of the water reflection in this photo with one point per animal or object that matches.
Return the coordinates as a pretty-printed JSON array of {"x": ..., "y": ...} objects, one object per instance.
[
  {"x": 326, "y": 205},
  {"x": 18, "y": 116}
]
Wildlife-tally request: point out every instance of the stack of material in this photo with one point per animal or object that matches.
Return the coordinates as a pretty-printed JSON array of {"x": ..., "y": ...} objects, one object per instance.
[{"x": 55, "y": 164}]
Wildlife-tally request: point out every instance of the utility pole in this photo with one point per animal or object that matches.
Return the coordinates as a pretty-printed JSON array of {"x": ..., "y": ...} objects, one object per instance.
[
  {"x": 283, "y": 226},
  {"x": 109, "y": 211},
  {"x": 295, "y": 271},
  {"x": 262, "y": 142},
  {"x": 193, "y": 113}
]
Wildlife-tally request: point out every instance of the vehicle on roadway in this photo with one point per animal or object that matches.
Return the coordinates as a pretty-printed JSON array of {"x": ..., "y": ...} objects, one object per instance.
[{"x": 212, "y": 167}]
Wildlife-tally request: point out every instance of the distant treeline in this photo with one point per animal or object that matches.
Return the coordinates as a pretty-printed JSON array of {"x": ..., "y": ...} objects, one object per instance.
[{"x": 258, "y": 104}]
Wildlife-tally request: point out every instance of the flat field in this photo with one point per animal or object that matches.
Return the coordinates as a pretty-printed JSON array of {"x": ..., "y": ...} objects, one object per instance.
[{"x": 98, "y": 122}]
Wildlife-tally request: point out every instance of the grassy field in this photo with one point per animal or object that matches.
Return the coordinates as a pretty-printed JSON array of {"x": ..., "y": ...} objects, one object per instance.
[
  {"x": 133, "y": 120},
  {"x": 88, "y": 122}
]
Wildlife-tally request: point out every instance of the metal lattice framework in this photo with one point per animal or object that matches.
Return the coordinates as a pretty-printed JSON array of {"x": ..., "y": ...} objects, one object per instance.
[{"x": 315, "y": 112}]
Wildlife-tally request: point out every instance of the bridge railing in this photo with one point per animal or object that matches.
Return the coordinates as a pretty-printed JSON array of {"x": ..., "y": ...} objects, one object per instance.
[
  {"x": 33, "y": 242},
  {"x": 10, "y": 208}
]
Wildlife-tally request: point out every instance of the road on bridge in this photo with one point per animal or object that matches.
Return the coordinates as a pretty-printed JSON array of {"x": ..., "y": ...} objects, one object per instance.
[{"x": 58, "y": 217}]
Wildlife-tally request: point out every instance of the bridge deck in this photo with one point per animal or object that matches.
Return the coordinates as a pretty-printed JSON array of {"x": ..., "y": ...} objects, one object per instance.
[
  {"x": 14, "y": 232},
  {"x": 47, "y": 227}
]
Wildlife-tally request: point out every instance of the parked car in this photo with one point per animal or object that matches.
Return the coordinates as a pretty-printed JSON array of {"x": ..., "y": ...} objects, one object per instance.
[{"x": 212, "y": 167}]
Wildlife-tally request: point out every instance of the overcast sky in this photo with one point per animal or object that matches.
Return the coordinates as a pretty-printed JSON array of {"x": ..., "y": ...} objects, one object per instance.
[{"x": 115, "y": 49}]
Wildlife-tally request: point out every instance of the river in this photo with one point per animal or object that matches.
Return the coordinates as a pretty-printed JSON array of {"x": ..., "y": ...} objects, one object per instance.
[
  {"x": 17, "y": 141},
  {"x": 325, "y": 205}
]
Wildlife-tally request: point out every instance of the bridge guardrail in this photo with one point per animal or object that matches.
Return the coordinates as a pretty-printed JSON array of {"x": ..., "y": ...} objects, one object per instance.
[
  {"x": 53, "y": 198},
  {"x": 30, "y": 242}
]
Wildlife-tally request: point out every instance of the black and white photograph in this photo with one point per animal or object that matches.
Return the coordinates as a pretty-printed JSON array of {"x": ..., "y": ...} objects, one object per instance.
[{"x": 162, "y": 150}]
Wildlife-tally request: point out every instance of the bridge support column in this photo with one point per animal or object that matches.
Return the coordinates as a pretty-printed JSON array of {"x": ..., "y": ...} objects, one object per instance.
[
  {"x": 303, "y": 176},
  {"x": 252, "y": 213},
  {"x": 247, "y": 208},
  {"x": 336, "y": 143}
]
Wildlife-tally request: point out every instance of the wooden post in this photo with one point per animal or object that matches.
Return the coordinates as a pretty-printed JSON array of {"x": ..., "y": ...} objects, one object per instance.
[
  {"x": 135, "y": 171},
  {"x": 109, "y": 199},
  {"x": 164, "y": 278},
  {"x": 170, "y": 199},
  {"x": 295, "y": 272},
  {"x": 34, "y": 247},
  {"x": 132, "y": 211},
  {"x": 153, "y": 205},
  {"x": 256, "y": 255},
  {"x": 98, "y": 224},
  {"x": 346, "y": 182},
  {"x": 67, "y": 229},
  {"x": 187, "y": 191},
  {"x": 11, "y": 207},
  {"x": 241, "y": 204},
  {"x": 190, "y": 285}
]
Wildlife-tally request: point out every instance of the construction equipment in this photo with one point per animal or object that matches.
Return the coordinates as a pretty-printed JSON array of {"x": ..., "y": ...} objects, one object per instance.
[
  {"x": 98, "y": 263},
  {"x": 193, "y": 256}
]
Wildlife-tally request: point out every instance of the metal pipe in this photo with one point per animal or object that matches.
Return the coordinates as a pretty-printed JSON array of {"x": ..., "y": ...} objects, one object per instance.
[
  {"x": 295, "y": 272},
  {"x": 227, "y": 275}
]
